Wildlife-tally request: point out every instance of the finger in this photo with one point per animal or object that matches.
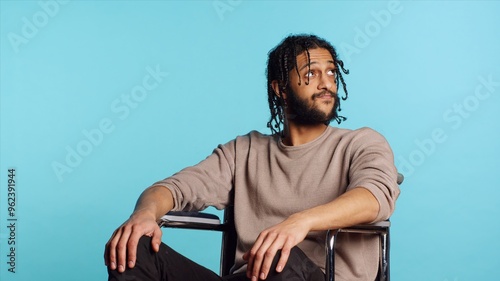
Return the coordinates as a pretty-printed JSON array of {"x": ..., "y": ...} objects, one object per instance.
[
  {"x": 131, "y": 252},
  {"x": 250, "y": 255},
  {"x": 121, "y": 249},
  {"x": 245, "y": 256},
  {"x": 263, "y": 254},
  {"x": 156, "y": 240},
  {"x": 106, "y": 254},
  {"x": 106, "y": 248},
  {"x": 269, "y": 256},
  {"x": 249, "y": 258},
  {"x": 285, "y": 254},
  {"x": 111, "y": 249}
]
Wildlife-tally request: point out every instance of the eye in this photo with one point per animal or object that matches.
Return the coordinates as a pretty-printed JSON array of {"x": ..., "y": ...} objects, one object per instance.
[
  {"x": 309, "y": 74},
  {"x": 332, "y": 72}
]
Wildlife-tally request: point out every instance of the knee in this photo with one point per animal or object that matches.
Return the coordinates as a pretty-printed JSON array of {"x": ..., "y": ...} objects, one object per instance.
[
  {"x": 145, "y": 267},
  {"x": 299, "y": 267},
  {"x": 144, "y": 242},
  {"x": 145, "y": 248},
  {"x": 297, "y": 256},
  {"x": 144, "y": 245}
]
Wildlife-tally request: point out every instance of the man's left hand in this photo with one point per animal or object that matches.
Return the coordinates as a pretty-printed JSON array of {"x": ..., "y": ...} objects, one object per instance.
[{"x": 283, "y": 236}]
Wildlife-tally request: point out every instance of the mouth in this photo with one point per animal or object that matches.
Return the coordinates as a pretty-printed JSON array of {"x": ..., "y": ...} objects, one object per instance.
[{"x": 323, "y": 96}]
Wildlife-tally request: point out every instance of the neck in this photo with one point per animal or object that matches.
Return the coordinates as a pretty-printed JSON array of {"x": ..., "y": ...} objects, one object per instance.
[{"x": 296, "y": 134}]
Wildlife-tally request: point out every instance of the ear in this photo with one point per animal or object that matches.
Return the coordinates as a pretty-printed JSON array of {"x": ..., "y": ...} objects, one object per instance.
[{"x": 276, "y": 87}]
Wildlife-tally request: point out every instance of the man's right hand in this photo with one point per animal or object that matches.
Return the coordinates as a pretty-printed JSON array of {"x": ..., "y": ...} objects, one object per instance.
[{"x": 121, "y": 248}]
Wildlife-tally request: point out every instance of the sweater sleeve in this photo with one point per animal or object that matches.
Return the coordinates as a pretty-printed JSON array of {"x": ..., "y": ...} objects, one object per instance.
[
  {"x": 372, "y": 167},
  {"x": 205, "y": 184}
]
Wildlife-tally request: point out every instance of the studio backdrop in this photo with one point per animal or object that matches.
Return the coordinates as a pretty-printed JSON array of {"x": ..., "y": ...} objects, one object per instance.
[{"x": 100, "y": 99}]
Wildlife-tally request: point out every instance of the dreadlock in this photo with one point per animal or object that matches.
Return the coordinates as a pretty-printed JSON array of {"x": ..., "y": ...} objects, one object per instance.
[{"x": 283, "y": 59}]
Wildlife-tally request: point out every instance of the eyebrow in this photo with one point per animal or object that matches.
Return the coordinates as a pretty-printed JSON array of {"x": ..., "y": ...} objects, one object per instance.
[{"x": 314, "y": 62}]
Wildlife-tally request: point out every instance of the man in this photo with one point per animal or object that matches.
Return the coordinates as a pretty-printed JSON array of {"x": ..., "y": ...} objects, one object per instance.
[{"x": 287, "y": 188}]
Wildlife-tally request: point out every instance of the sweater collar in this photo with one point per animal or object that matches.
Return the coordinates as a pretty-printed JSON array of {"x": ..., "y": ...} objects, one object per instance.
[{"x": 312, "y": 143}]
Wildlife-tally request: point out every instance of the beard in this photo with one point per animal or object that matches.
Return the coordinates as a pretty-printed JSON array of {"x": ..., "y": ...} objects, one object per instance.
[{"x": 304, "y": 113}]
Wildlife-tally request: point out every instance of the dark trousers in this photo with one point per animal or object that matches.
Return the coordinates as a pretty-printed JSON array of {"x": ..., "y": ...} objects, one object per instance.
[{"x": 168, "y": 265}]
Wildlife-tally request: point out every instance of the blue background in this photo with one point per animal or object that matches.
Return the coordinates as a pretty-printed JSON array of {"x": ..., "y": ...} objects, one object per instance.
[{"x": 424, "y": 74}]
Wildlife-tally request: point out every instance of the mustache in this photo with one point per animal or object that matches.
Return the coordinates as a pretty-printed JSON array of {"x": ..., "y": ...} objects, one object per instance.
[{"x": 325, "y": 92}]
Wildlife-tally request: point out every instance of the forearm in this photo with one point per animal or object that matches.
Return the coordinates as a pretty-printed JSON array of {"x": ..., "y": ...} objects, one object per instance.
[
  {"x": 156, "y": 201},
  {"x": 353, "y": 207}
]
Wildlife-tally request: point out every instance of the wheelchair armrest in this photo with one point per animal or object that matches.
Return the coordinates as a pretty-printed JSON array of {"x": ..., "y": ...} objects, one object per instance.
[
  {"x": 192, "y": 220},
  {"x": 376, "y": 228},
  {"x": 380, "y": 228}
]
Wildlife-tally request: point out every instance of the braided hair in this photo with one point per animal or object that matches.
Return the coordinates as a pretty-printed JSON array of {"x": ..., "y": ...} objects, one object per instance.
[{"x": 282, "y": 60}]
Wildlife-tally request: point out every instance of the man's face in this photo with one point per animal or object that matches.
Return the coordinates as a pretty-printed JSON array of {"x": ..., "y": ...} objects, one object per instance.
[{"x": 313, "y": 101}]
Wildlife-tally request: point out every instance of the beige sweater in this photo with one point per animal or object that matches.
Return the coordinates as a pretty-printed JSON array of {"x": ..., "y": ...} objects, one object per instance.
[{"x": 271, "y": 181}]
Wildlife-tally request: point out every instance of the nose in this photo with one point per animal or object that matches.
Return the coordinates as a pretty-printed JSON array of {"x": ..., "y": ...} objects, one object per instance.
[{"x": 325, "y": 82}]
